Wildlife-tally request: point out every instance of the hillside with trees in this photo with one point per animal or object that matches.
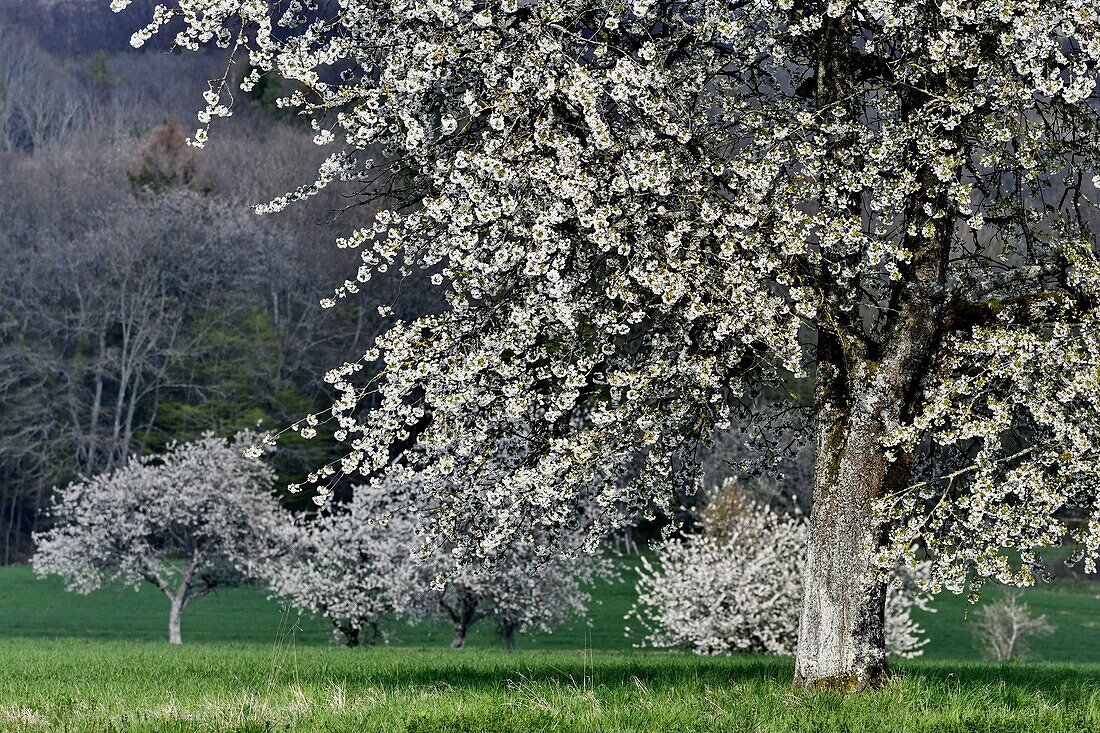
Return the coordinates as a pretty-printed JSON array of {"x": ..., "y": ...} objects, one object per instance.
[{"x": 140, "y": 300}]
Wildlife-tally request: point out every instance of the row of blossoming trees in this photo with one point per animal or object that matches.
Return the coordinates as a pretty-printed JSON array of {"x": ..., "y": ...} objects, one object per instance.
[{"x": 203, "y": 516}]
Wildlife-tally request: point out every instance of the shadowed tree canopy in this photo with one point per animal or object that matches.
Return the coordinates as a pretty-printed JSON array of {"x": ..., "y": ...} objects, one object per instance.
[{"x": 646, "y": 215}]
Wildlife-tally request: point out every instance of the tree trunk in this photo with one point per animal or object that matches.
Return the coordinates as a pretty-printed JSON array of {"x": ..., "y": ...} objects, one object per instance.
[
  {"x": 460, "y": 635},
  {"x": 867, "y": 384},
  {"x": 841, "y": 642},
  {"x": 179, "y": 599},
  {"x": 508, "y": 631},
  {"x": 463, "y": 612},
  {"x": 350, "y": 634},
  {"x": 174, "y": 620}
]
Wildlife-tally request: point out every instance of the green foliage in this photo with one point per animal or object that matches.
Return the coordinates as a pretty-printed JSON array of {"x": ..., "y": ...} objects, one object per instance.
[
  {"x": 97, "y": 69},
  {"x": 266, "y": 93}
]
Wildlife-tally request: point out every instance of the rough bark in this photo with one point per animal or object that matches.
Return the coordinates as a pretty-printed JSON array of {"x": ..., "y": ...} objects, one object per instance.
[
  {"x": 841, "y": 642},
  {"x": 867, "y": 383},
  {"x": 858, "y": 401}
]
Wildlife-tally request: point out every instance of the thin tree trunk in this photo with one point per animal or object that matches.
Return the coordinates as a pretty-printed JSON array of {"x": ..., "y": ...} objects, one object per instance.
[
  {"x": 13, "y": 498},
  {"x": 463, "y": 613},
  {"x": 179, "y": 600},
  {"x": 174, "y": 620},
  {"x": 97, "y": 404},
  {"x": 460, "y": 635},
  {"x": 509, "y": 632}
]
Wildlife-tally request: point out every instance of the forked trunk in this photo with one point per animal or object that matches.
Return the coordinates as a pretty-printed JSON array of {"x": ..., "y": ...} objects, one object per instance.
[
  {"x": 840, "y": 638},
  {"x": 867, "y": 383}
]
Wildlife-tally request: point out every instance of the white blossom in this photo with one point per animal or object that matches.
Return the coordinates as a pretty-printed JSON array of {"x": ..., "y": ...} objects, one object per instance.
[
  {"x": 362, "y": 562},
  {"x": 199, "y": 517},
  {"x": 350, "y": 564},
  {"x": 734, "y": 588}
]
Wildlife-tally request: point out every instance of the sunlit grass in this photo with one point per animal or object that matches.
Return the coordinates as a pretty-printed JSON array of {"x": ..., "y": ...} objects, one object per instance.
[{"x": 78, "y": 685}]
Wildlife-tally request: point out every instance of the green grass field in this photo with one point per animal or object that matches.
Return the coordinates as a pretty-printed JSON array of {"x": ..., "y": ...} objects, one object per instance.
[
  {"x": 86, "y": 685},
  {"x": 99, "y": 663},
  {"x": 35, "y": 608}
]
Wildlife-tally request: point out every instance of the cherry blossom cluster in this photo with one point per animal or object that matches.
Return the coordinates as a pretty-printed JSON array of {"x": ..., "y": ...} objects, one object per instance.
[
  {"x": 639, "y": 213},
  {"x": 351, "y": 565},
  {"x": 525, "y": 590},
  {"x": 1016, "y": 408},
  {"x": 733, "y": 588}
]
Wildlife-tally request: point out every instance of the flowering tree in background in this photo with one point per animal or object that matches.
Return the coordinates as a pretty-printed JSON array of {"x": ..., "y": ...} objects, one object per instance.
[
  {"x": 198, "y": 518},
  {"x": 363, "y": 560},
  {"x": 734, "y": 590},
  {"x": 522, "y": 591},
  {"x": 646, "y": 214},
  {"x": 904, "y": 593},
  {"x": 350, "y": 567},
  {"x": 733, "y": 587}
]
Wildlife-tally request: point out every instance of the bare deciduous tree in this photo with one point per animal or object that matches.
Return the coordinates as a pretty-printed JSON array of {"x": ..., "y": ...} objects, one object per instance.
[{"x": 1003, "y": 627}]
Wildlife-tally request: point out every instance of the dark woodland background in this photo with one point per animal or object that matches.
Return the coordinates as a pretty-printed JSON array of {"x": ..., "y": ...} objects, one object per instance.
[{"x": 140, "y": 300}]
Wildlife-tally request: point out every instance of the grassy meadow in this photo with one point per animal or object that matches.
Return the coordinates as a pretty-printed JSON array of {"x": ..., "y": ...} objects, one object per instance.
[
  {"x": 100, "y": 663},
  {"x": 33, "y": 608},
  {"x": 86, "y": 685}
]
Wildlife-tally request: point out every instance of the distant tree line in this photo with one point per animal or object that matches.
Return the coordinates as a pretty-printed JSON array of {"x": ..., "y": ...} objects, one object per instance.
[
  {"x": 134, "y": 309},
  {"x": 77, "y": 27}
]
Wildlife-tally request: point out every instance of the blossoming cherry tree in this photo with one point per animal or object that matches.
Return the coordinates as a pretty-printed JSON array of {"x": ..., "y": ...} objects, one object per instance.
[
  {"x": 644, "y": 215},
  {"x": 198, "y": 518},
  {"x": 361, "y": 562}
]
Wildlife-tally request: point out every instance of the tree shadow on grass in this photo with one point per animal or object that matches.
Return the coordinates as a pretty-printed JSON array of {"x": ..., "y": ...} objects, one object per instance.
[
  {"x": 657, "y": 671},
  {"x": 652, "y": 670},
  {"x": 1067, "y": 682}
]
